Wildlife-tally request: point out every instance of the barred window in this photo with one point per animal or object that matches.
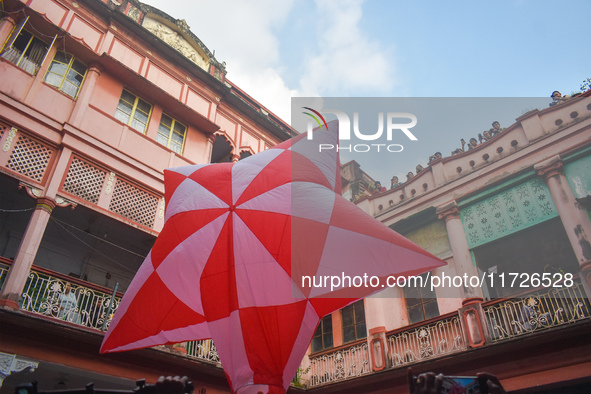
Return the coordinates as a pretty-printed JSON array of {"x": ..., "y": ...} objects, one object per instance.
[
  {"x": 133, "y": 111},
  {"x": 171, "y": 134},
  {"x": 66, "y": 73},
  {"x": 25, "y": 50}
]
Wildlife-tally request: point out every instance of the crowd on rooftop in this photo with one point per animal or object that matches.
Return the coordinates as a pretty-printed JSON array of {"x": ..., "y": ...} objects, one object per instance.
[{"x": 474, "y": 142}]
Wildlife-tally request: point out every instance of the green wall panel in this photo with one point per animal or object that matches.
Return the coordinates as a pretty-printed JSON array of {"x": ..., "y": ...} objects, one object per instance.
[
  {"x": 578, "y": 174},
  {"x": 507, "y": 212}
]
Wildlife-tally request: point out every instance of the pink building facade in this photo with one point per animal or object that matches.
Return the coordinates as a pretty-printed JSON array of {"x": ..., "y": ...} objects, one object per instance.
[
  {"x": 517, "y": 203},
  {"x": 98, "y": 97}
]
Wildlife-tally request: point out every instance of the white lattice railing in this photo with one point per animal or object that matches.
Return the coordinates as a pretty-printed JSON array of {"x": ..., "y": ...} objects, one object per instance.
[
  {"x": 84, "y": 180},
  {"x": 25, "y": 155},
  {"x": 87, "y": 181},
  {"x": 133, "y": 203},
  {"x": 431, "y": 340},
  {"x": 537, "y": 311},
  {"x": 339, "y": 365}
]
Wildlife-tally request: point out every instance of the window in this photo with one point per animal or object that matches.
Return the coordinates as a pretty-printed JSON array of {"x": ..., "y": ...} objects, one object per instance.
[
  {"x": 25, "y": 50},
  {"x": 421, "y": 302},
  {"x": 133, "y": 111},
  {"x": 66, "y": 73},
  {"x": 354, "y": 322},
  {"x": 171, "y": 134},
  {"x": 548, "y": 251},
  {"x": 322, "y": 338}
]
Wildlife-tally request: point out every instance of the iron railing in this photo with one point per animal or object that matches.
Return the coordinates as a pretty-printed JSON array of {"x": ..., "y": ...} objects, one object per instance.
[
  {"x": 203, "y": 350},
  {"x": 53, "y": 296},
  {"x": 342, "y": 364},
  {"x": 537, "y": 311},
  {"x": 431, "y": 340},
  {"x": 505, "y": 319},
  {"x": 59, "y": 298},
  {"x": 56, "y": 297}
]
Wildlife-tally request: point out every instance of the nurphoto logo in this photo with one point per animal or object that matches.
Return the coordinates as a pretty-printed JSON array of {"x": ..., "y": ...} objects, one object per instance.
[{"x": 393, "y": 124}]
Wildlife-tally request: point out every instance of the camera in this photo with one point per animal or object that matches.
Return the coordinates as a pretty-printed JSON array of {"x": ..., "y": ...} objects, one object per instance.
[{"x": 462, "y": 385}]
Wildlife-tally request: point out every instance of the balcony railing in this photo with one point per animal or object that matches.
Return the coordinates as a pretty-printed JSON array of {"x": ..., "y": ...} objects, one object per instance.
[
  {"x": 203, "y": 350},
  {"x": 505, "y": 319},
  {"x": 432, "y": 340},
  {"x": 57, "y": 297},
  {"x": 53, "y": 295},
  {"x": 3, "y": 273},
  {"x": 344, "y": 363},
  {"x": 537, "y": 311}
]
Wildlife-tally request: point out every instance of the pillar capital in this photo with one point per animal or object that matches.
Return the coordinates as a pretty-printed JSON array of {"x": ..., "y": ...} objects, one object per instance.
[
  {"x": 46, "y": 204},
  {"x": 550, "y": 167},
  {"x": 96, "y": 68},
  {"x": 448, "y": 211},
  {"x": 10, "y": 18},
  {"x": 573, "y": 217}
]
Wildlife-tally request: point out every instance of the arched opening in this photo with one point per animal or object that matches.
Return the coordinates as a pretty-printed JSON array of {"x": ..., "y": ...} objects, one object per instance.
[
  {"x": 222, "y": 150},
  {"x": 244, "y": 154}
]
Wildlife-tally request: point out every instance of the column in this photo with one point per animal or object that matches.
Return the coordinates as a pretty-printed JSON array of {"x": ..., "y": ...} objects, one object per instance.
[
  {"x": 6, "y": 25},
  {"x": 574, "y": 217},
  {"x": 459, "y": 247},
  {"x": 471, "y": 314},
  {"x": 92, "y": 75},
  {"x": 17, "y": 275},
  {"x": 27, "y": 250}
]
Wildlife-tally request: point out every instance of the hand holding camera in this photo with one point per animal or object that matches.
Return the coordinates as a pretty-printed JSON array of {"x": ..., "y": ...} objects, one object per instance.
[{"x": 429, "y": 383}]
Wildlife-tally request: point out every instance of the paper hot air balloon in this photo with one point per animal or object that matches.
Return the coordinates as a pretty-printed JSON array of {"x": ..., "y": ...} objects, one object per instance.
[{"x": 229, "y": 264}]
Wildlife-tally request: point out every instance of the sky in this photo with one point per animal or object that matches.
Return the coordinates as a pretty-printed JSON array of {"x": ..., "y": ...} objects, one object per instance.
[{"x": 276, "y": 50}]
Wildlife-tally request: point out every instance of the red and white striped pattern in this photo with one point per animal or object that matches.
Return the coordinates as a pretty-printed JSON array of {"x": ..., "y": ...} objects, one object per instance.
[{"x": 229, "y": 260}]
